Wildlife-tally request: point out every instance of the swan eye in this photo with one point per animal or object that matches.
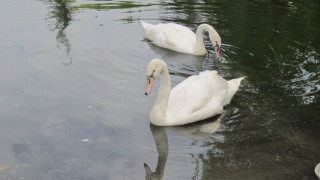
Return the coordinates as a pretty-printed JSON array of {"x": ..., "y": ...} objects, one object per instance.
[{"x": 151, "y": 76}]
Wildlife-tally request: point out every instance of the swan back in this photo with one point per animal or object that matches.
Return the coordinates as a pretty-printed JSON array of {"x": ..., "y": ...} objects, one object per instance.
[
  {"x": 171, "y": 36},
  {"x": 198, "y": 97}
]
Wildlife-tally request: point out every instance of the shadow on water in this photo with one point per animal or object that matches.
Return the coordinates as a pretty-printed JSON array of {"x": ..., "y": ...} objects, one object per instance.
[
  {"x": 179, "y": 61},
  {"x": 197, "y": 130},
  {"x": 58, "y": 19},
  {"x": 161, "y": 139}
]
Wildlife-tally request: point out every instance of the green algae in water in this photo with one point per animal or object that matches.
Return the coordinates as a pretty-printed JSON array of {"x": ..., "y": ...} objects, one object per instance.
[{"x": 111, "y": 5}]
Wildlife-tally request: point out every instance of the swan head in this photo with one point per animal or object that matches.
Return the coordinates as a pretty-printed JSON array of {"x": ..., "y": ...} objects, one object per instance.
[
  {"x": 153, "y": 70},
  {"x": 216, "y": 41}
]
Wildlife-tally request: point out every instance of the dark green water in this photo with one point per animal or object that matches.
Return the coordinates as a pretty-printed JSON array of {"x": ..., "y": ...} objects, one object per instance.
[{"x": 72, "y": 79}]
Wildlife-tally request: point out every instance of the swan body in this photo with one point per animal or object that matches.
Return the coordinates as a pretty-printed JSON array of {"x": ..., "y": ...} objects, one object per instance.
[
  {"x": 180, "y": 38},
  {"x": 196, "y": 98}
]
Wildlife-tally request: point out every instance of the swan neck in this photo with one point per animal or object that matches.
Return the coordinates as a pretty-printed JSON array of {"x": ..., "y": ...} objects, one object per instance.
[
  {"x": 158, "y": 112},
  {"x": 200, "y": 48}
]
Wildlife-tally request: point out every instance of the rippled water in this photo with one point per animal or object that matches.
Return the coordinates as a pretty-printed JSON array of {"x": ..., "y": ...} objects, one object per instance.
[{"x": 72, "y": 82}]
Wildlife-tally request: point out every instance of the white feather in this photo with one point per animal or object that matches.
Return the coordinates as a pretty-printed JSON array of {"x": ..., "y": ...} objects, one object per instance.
[
  {"x": 196, "y": 98},
  {"x": 179, "y": 38}
]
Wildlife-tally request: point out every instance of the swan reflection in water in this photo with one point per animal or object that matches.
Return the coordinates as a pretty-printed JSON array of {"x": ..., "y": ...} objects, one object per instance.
[
  {"x": 171, "y": 57},
  {"x": 197, "y": 130}
]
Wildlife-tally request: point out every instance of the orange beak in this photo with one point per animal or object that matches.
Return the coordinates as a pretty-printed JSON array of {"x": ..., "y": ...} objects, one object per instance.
[
  {"x": 216, "y": 50},
  {"x": 149, "y": 85}
]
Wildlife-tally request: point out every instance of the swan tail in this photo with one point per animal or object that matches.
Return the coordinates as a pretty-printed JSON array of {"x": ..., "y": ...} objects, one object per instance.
[
  {"x": 233, "y": 86},
  {"x": 145, "y": 25}
]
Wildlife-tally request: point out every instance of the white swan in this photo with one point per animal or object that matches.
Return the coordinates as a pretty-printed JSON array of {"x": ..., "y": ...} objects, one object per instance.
[
  {"x": 196, "y": 98},
  {"x": 181, "y": 39}
]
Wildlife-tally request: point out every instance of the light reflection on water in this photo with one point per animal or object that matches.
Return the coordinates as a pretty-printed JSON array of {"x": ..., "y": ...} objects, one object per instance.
[{"x": 73, "y": 78}]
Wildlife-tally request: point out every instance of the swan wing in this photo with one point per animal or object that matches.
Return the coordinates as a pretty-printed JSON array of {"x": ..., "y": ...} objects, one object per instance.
[
  {"x": 197, "y": 98},
  {"x": 233, "y": 87},
  {"x": 172, "y": 36}
]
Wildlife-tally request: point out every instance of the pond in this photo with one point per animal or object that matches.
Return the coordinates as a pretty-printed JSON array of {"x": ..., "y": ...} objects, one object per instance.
[{"x": 73, "y": 75}]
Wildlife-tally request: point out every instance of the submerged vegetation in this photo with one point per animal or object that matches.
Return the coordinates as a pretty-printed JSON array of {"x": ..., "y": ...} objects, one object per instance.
[{"x": 111, "y": 5}]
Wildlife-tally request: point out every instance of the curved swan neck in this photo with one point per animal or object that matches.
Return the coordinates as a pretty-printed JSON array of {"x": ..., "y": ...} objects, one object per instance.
[
  {"x": 200, "y": 48},
  {"x": 158, "y": 112},
  {"x": 165, "y": 87}
]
